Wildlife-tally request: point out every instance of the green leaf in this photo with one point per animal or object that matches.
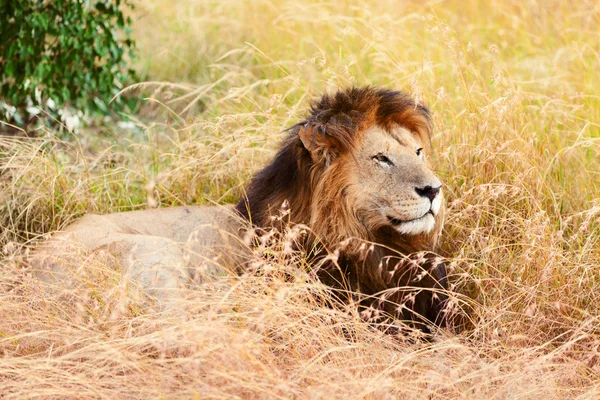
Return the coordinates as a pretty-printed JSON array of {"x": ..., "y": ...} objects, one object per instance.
[{"x": 10, "y": 68}]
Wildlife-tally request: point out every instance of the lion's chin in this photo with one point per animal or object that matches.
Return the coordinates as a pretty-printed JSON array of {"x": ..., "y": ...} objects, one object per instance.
[{"x": 416, "y": 226}]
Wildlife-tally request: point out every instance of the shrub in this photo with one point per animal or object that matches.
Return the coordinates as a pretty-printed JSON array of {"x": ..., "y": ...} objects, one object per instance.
[{"x": 62, "y": 53}]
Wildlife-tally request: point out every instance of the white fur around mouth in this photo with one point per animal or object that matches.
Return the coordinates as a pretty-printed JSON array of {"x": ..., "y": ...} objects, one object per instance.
[
  {"x": 415, "y": 226},
  {"x": 436, "y": 204}
]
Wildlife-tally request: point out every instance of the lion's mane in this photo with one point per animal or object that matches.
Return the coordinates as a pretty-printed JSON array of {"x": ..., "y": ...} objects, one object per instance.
[{"x": 318, "y": 197}]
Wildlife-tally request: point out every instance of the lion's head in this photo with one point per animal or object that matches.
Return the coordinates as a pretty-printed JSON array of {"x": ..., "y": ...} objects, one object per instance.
[{"x": 355, "y": 170}]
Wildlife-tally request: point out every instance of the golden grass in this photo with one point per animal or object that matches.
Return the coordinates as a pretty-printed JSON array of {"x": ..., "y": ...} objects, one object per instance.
[{"x": 513, "y": 87}]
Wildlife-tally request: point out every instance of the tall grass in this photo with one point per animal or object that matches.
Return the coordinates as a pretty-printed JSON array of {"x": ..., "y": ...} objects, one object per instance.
[{"x": 513, "y": 87}]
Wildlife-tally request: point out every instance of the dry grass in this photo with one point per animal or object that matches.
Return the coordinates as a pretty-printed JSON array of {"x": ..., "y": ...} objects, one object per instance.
[{"x": 513, "y": 86}]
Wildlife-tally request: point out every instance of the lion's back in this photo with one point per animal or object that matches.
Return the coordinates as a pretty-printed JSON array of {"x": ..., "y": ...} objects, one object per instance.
[{"x": 163, "y": 249}]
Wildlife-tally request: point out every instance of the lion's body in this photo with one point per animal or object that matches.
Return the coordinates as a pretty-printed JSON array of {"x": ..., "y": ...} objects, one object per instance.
[
  {"x": 354, "y": 172},
  {"x": 163, "y": 249}
]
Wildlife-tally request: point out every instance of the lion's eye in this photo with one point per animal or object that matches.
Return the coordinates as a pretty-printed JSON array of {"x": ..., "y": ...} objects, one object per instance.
[
  {"x": 383, "y": 159},
  {"x": 420, "y": 152}
]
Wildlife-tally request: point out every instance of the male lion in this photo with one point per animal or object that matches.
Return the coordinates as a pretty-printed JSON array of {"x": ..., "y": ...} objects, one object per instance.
[{"x": 354, "y": 172}]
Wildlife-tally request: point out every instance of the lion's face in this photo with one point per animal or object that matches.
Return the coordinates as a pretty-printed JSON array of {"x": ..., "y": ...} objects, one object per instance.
[
  {"x": 392, "y": 182},
  {"x": 355, "y": 168}
]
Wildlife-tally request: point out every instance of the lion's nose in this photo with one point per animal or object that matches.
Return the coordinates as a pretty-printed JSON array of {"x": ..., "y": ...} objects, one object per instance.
[{"x": 428, "y": 191}]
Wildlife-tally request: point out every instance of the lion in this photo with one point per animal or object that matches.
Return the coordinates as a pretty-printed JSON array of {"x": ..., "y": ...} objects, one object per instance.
[{"x": 354, "y": 172}]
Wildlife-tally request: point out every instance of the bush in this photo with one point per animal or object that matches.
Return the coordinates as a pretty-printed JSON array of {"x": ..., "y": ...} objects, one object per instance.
[{"x": 62, "y": 53}]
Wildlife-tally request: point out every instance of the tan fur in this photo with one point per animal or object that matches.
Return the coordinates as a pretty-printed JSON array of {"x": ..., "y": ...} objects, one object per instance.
[{"x": 162, "y": 249}]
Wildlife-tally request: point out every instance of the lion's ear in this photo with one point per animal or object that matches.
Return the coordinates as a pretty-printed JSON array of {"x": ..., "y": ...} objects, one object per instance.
[{"x": 315, "y": 139}]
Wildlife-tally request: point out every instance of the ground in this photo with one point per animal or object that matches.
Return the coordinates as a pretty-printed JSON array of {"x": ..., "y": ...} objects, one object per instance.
[{"x": 513, "y": 90}]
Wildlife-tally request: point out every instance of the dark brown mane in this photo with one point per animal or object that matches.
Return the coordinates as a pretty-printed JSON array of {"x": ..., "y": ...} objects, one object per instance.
[
  {"x": 313, "y": 186},
  {"x": 342, "y": 118}
]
